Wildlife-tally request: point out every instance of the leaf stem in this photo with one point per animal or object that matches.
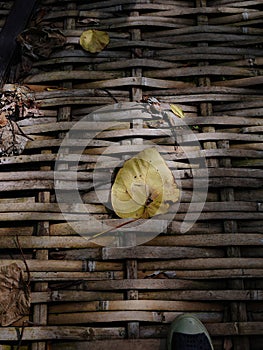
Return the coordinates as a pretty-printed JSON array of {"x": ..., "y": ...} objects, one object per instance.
[{"x": 112, "y": 228}]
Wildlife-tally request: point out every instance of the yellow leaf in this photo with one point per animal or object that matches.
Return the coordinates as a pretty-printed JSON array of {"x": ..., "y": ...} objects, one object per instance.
[
  {"x": 144, "y": 186},
  {"x": 93, "y": 40},
  {"x": 177, "y": 111}
]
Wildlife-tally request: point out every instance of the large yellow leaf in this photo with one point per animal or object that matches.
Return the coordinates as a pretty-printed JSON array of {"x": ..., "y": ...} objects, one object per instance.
[
  {"x": 93, "y": 40},
  {"x": 144, "y": 186}
]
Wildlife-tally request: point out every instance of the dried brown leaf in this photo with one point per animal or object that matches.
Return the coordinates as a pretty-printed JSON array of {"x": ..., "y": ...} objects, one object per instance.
[
  {"x": 3, "y": 119},
  {"x": 14, "y": 294}
]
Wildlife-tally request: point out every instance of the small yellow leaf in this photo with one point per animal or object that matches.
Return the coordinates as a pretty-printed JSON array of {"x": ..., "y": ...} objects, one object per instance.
[
  {"x": 93, "y": 40},
  {"x": 144, "y": 186},
  {"x": 177, "y": 111}
]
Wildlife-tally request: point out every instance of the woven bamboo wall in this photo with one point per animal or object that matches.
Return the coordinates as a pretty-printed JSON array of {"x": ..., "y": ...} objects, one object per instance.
[{"x": 205, "y": 56}]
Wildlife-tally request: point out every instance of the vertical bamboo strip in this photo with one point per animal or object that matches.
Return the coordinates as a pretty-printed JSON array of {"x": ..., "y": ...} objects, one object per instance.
[
  {"x": 206, "y": 109},
  {"x": 136, "y": 92},
  {"x": 40, "y": 313},
  {"x": 64, "y": 113},
  {"x": 131, "y": 273},
  {"x": 133, "y": 328},
  {"x": 238, "y": 311}
]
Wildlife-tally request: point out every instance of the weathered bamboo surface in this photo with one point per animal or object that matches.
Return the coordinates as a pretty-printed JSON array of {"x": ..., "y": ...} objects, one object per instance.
[{"x": 203, "y": 56}]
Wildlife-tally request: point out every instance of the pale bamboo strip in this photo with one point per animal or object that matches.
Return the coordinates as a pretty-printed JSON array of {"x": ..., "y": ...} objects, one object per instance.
[
  {"x": 79, "y": 242},
  {"x": 70, "y": 333},
  {"x": 186, "y": 295},
  {"x": 131, "y": 305}
]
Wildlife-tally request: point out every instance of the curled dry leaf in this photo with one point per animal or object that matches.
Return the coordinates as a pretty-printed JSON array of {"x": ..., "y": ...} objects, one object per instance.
[
  {"x": 16, "y": 102},
  {"x": 144, "y": 186},
  {"x": 15, "y": 295},
  {"x": 12, "y": 141},
  {"x": 40, "y": 42},
  {"x": 89, "y": 21},
  {"x": 3, "y": 119},
  {"x": 93, "y": 40}
]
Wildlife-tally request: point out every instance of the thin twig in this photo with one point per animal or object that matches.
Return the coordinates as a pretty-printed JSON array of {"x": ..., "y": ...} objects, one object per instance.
[
  {"x": 110, "y": 94},
  {"x": 25, "y": 323},
  {"x": 13, "y": 132},
  {"x": 23, "y": 134},
  {"x": 21, "y": 336},
  {"x": 24, "y": 260}
]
